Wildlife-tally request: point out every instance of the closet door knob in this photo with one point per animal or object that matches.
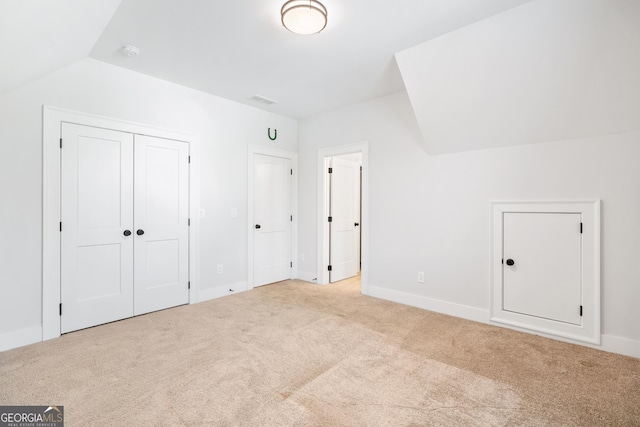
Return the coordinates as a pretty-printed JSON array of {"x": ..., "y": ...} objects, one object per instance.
[
  {"x": 257, "y": 226},
  {"x": 140, "y": 232},
  {"x": 127, "y": 232},
  {"x": 510, "y": 262}
]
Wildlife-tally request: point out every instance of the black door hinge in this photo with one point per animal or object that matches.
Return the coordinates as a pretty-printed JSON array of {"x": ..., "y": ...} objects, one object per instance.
[
  {"x": 291, "y": 264},
  {"x": 60, "y": 142},
  {"x": 580, "y": 228},
  {"x": 291, "y": 171},
  {"x": 330, "y": 268},
  {"x": 60, "y": 309},
  {"x": 580, "y": 311},
  {"x": 60, "y": 226},
  {"x": 188, "y": 285},
  {"x": 330, "y": 219},
  {"x": 330, "y": 170},
  {"x": 292, "y": 218},
  {"x": 189, "y": 222},
  {"x": 189, "y": 159}
]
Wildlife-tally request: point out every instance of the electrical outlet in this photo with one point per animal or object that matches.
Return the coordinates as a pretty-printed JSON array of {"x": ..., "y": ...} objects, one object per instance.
[
  {"x": 220, "y": 269},
  {"x": 420, "y": 276}
]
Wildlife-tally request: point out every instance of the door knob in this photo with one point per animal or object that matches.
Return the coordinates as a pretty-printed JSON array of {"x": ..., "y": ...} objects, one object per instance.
[
  {"x": 127, "y": 232},
  {"x": 510, "y": 262},
  {"x": 140, "y": 232},
  {"x": 356, "y": 224},
  {"x": 257, "y": 226}
]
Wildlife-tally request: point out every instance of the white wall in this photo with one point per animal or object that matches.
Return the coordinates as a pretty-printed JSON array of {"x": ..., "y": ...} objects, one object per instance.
[
  {"x": 432, "y": 213},
  {"x": 225, "y": 129},
  {"x": 543, "y": 71}
]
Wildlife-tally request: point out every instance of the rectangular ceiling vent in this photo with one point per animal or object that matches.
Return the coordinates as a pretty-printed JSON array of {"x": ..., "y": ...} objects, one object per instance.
[{"x": 263, "y": 99}]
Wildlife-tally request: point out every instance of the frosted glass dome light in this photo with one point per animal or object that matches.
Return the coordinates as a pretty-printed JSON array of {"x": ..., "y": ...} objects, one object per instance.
[{"x": 304, "y": 16}]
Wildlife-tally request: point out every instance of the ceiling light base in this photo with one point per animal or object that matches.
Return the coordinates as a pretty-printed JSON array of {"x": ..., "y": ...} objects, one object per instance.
[{"x": 304, "y": 16}]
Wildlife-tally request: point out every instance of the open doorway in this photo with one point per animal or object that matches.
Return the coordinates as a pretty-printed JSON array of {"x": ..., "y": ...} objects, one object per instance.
[
  {"x": 344, "y": 202},
  {"x": 343, "y": 213}
]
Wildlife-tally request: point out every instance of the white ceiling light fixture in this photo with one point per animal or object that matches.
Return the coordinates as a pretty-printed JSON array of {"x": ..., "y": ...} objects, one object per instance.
[
  {"x": 304, "y": 16},
  {"x": 130, "y": 50}
]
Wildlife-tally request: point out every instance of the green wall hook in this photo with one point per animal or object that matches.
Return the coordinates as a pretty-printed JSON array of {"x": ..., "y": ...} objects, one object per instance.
[{"x": 275, "y": 134}]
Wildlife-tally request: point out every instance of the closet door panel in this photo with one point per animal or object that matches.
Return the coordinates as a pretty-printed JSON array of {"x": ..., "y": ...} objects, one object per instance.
[{"x": 162, "y": 224}]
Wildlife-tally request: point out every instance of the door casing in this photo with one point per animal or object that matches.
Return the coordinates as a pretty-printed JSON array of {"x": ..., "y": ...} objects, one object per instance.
[
  {"x": 322, "y": 251},
  {"x": 53, "y": 118},
  {"x": 589, "y": 329}
]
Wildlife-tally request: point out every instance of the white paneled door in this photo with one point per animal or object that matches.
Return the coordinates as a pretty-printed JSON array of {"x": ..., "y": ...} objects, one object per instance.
[
  {"x": 97, "y": 219},
  {"x": 344, "y": 211},
  {"x": 161, "y": 218},
  {"x": 124, "y": 238},
  {"x": 542, "y": 265},
  {"x": 272, "y": 186}
]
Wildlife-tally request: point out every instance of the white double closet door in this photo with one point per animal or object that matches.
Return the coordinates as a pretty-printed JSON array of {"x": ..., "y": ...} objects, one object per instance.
[{"x": 125, "y": 225}]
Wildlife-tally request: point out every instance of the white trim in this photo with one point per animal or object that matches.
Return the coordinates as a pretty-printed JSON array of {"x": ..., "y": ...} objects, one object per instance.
[
  {"x": 222, "y": 291},
  {"x": 425, "y": 303},
  {"x": 15, "y": 339},
  {"x": 589, "y": 329},
  {"x": 273, "y": 152},
  {"x": 322, "y": 253},
  {"x": 620, "y": 345},
  {"x": 609, "y": 343},
  {"x": 53, "y": 118},
  {"x": 307, "y": 276}
]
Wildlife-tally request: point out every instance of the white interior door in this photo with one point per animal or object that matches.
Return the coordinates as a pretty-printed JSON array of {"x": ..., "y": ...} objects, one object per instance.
[
  {"x": 542, "y": 265},
  {"x": 344, "y": 210},
  {"x": 161, "y": 249},
  {"x": 97, "y": 220},
  {"x": 272, "y": 219}
]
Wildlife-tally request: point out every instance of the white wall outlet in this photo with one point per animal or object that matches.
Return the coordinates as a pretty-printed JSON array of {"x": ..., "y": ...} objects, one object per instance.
[
  {"x": 220, "y": 269},
  {"x": 234, "y": 213},
  {"x": 420, "y": 276}
]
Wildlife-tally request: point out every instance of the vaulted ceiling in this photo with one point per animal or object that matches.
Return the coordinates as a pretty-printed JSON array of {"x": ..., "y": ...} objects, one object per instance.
[{"x": 234, "y": 49}]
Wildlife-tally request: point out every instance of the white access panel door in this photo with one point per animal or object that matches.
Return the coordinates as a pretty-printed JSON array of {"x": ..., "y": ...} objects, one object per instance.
[
  {"x": 271, "y": 219},
  {"x": 96, "y": 213},
  {"x": 544, "y": 279},
  {"x": 161, "y": 224},
  {"x": 344, "y": 208}
]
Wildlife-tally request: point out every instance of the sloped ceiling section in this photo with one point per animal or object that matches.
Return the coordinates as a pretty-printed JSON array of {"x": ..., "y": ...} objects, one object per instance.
[
  {"x": 41, "y": 36},
  {"x": 544, "y": 71},
  {"x": 235, "y": 49}
]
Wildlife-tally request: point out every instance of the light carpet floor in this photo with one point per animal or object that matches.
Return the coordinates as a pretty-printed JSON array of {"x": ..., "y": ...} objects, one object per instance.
[{"x": 298, "y": 354}]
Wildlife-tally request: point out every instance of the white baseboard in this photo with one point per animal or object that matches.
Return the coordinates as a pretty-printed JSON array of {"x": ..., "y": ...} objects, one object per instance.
[
  {"x": 20, "y": 338},
  {"x": 439, "y": 306},
  {"x": 609, "y": 343},
  {"x": 221, "y": 291},
  {"x": 307, "y": 276},
  {"x": 620, "y": 345}
]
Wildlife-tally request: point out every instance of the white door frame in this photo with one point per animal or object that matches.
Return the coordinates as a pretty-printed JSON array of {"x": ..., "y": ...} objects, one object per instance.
[
  {"x": 293, "y": 157},
  {"x": 53, "y": 118},
  {"x": 589, "y": 329},
  {"x": 322, "y": 211}
]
